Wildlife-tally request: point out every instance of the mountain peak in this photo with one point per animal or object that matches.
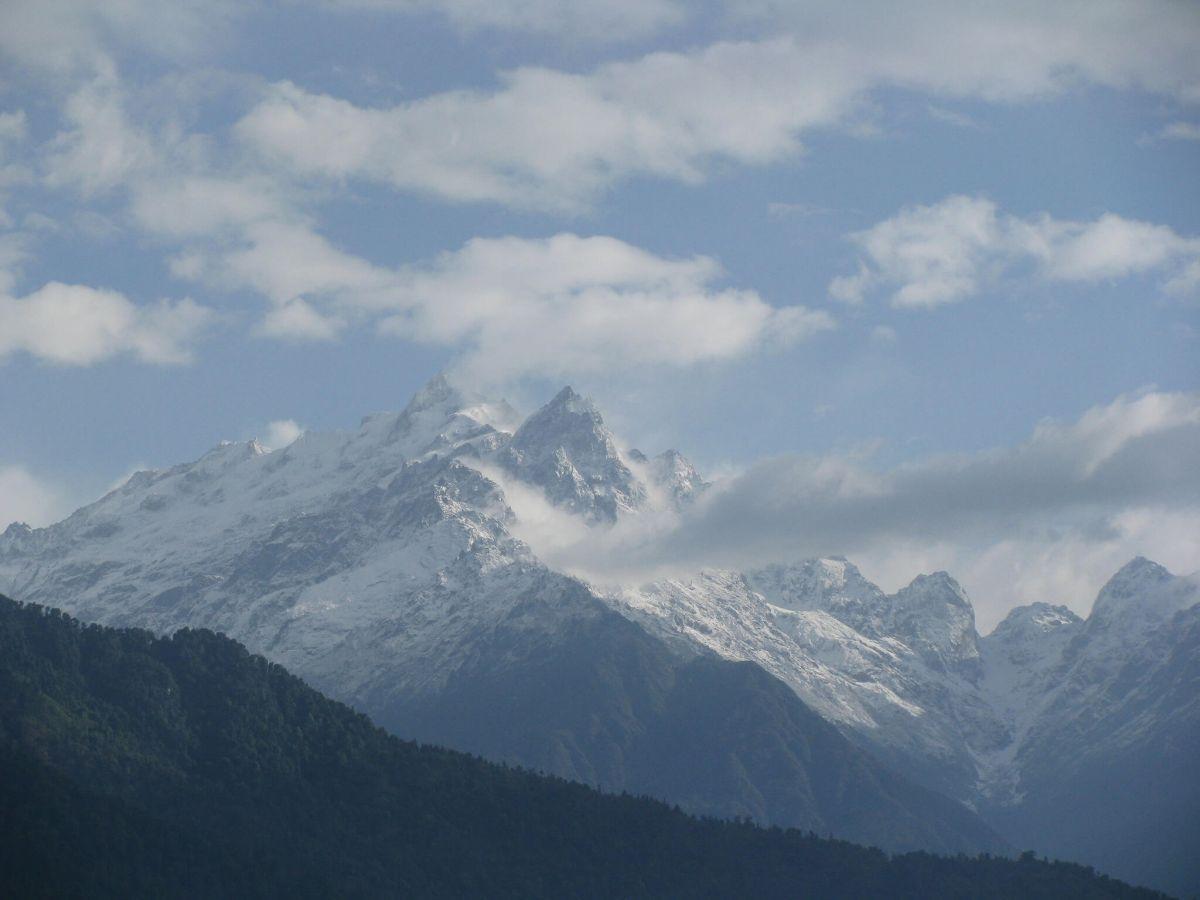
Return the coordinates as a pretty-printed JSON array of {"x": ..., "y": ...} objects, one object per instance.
[
  {"x": 934, "y": 616},
  {"x": 674, "y": 472},
  {"x": 1034, "y": 619},
  {"x": 565, "y": 449},
  {"x": 1140, "y": 569},
  {"x": 568, "y": 400},
  {"x": 1142, "y": 591},
  {"x": 440, "y": 418},
  {"x": 936, "y": 587},
  {"x": 830, "y": 584},
  {"x": 438, "y": 391}
]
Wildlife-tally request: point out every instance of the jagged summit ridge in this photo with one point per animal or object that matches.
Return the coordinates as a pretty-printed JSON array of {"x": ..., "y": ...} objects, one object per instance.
[{"x": 565, "y": 449}]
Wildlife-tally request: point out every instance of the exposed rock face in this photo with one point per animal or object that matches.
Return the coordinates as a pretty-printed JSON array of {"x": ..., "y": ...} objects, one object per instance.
[{"x": 565, "y": 449}]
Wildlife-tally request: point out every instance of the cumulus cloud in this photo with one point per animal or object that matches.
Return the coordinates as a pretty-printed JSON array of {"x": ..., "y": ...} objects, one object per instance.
[
  {"x": 512, "y": 306},
  {"x": 76, "y": 325},
  {"x": 515, "y": 306},
  {"x": 571, "y": 304},
  {"x": 1100, "y": 486},
  {"x": 926, "y": 256},
  {"x": 553, "y": 139},
  {"x": 281, "y": 433},
  {"x": 549, "y": 138},
  {"x": 297, "y": 320}
]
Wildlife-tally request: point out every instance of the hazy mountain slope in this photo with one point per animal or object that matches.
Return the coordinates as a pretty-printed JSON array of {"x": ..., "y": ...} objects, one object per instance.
[
  {"x": 900, "y": 673},
  {"x": 137, "y": 766},
  {"x": 1109, "y": 773},
  {"x": 1073, "y": 737},
  {"x": 603, "y": 702}
]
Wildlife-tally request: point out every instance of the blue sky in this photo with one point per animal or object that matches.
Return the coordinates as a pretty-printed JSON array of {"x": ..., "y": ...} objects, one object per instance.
[{"x": 751, "y": 231}]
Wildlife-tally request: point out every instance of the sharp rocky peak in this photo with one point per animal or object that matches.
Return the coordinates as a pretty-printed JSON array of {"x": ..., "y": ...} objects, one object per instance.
[
  {"x": 674, "y": 473},
  {"x": 830, "y": 584},
  {"x": 933, "y": 589},
  {"x": 566, "y": 449},
  {"x": 934, "y": 616},
  {"x": 441, "y": 418}
]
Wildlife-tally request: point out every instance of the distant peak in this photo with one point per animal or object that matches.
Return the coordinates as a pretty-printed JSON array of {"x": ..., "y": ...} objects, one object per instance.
[
  {"x": 234, "y": 450},
  {"x": 1139, "y": 567},
  {"x": 938, "y": 585},
  {"x": 567, "y": 412},
  {"x": 1133, "y": 586},
  {"x": 1037, "y": 618},
  {"x": 436, "y": 392},
  {"x": 571, "y": 401}
]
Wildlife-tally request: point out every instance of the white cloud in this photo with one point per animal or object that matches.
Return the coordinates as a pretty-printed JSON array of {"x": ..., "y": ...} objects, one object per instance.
[
  {"x": 78, "y": 325},
  {"x": 296, "y": 320},
  {"x": 281, "y": 433},
  {"x": 571, "y": 304},
  {"x": 183, "y": 205},
  {"x": 603, "y": 20},
  {"x": 547, "y": 138},
  {"x": 1015, "y": 50},
  {"x": 512, "y": 306},
  {"x": 552, "y": 139},
  {"x": 926, "y": 256},
  {"x": 100, "y": 149},
  {"x": 26, "y": 498},
  {"x": 1115, "y": 482}
]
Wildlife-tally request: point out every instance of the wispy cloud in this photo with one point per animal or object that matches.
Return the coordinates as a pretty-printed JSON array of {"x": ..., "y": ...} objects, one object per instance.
[{"x": 1118, "y": 480}]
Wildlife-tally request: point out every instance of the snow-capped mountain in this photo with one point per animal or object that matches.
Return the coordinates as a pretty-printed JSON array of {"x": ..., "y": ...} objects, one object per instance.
[
  {"x": 381, "y": 565},
  {"x": 898, "y": 672}
]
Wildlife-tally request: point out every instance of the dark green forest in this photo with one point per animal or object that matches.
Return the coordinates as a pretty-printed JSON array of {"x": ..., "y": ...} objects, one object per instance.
[{"x": 136, "y": 766}]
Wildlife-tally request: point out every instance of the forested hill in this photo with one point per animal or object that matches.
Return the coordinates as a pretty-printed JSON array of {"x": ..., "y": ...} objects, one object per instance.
[{"x": 134, "y": 766}]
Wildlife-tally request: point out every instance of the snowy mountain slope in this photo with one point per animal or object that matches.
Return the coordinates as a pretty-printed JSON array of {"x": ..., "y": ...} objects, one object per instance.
[
  {"x": 382, "y": 566},
  {"x": 885, "y": 682},
  {"x": 1076, "y": 737},
  {"x": 379, "y": 565}
]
